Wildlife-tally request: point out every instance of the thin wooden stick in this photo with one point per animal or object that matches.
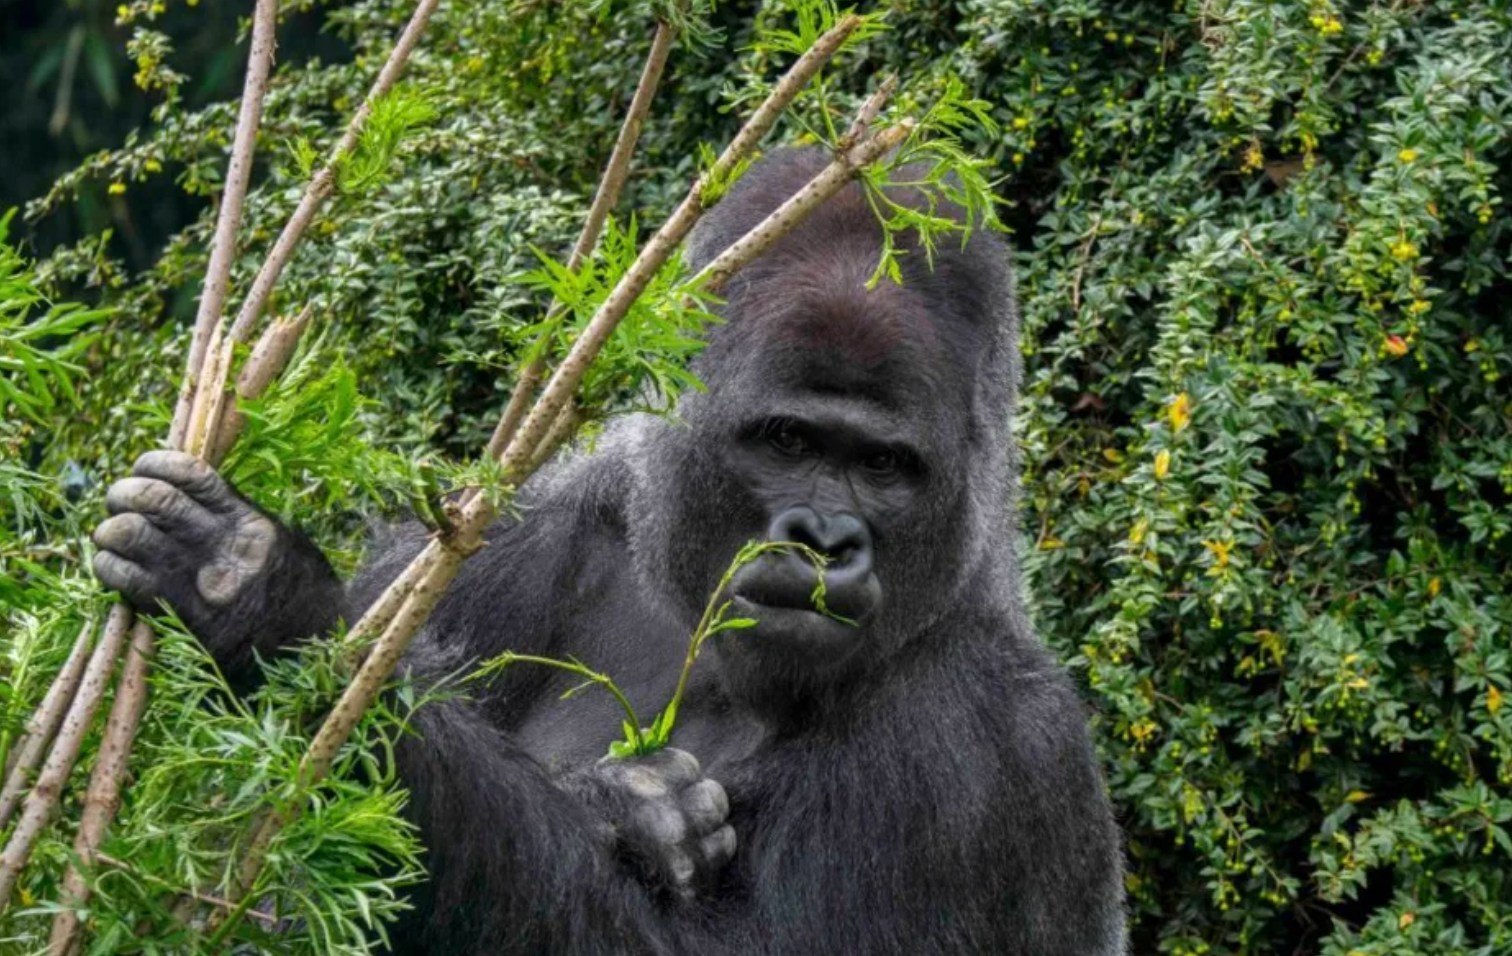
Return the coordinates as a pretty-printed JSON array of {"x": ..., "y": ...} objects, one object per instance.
[
  {"x": 604, "y": 201},
  {"x": 105, "y": 782},
  {"x": 269, "y": 358},
  {"x": 42, "y": 801},
  {"x": 814, "y": 193},
  {"x": 103, "y": 797},
  {"x": 433, "y": 570},
  {"x": 569, "y": 374},
  {"x": 43, "y": 724},
  {"x": 323, "y": 183},
  {"x": 228, "y": 222}
]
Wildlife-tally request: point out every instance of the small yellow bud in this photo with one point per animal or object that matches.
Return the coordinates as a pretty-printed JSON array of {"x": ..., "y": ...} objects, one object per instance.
[
  {"x": 1407, "y": 155},
  {"x": 117, "y": 188},
  {"x": 1180, "y": 412},
  {"x": 1162, "y": 464}
]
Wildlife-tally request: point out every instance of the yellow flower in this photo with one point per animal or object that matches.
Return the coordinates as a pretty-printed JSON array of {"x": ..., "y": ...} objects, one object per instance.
[
  {"x": 1018, "y": 158},
  {"x": 1396, "y": 345},
  {"x": 153, "y": 166},
  {"x": 1403, "y": 251},
  {"x": 1180, "y": 412},
  {"x": 1419, "y": 306},
  {"x": 116, "y": 188},
  {"x": 1406, "y": 920},
  {"x": 1407, "y": 155},
  {"x": 1434, "y": 586},
  {"x": 1162, "y": 464},
  {"x": 1052, "y": 544},
  {"x": 1493, "y": 698},
  {"x": 1020, "y": 122},
  {"x": 1138, "y": 532},
  {"x": 1220, "y": 551}
]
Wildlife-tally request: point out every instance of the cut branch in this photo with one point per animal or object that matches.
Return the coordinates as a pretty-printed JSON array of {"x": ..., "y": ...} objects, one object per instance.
[
  {"x": 37, "y": 809},
  {"x": 604, "y": 201},
  {"x": 323, "y": 183},
  {"x": 103, "y": 797},
  {"x": 44, "y": 724},
  {"x": 268, "y": 360},
  {"x": 784, "y": 218},
  {"x": 228, "y": 221},
  {"x": 569, "y": 374}
]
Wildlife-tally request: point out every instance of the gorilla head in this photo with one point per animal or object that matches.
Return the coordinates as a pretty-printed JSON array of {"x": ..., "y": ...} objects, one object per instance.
[{"x": 868, "y": 424}]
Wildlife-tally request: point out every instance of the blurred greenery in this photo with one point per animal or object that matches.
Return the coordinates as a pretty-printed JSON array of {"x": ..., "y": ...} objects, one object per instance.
[{"x": 1263, "y": 253}]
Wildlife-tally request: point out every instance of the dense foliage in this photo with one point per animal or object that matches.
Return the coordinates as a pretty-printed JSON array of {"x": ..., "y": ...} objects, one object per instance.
[{"x": 1263, "y": 260}]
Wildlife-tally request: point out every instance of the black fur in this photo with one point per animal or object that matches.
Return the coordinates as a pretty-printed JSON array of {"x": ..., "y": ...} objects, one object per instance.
[{"x": 922, "y": 783}]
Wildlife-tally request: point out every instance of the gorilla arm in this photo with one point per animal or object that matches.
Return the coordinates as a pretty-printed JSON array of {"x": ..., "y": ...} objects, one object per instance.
[{"x": 560, "y": 863}]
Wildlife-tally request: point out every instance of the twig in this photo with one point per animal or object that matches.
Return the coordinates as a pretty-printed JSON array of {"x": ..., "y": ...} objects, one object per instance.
[
  {"x": 215, "y": 901},
  {"x": 323, "y": 183},
  {"x": 561, "y": 431},
  {"x": 781, "y": 221},
  {"x": 867, "y": 114},
  {"x": 40, "y": 803},
  {"x": 604, "y": 200},
  {"x": 131, "y": 697},
  {"x": 103, "y": 797},
  {"x": 233, "y": 198},
  {"x": 43, "y": 724},
  {"x": 269, "y": 358},
  {"x": 437, "y": 565},
  {"x": 569, "y": 374}
]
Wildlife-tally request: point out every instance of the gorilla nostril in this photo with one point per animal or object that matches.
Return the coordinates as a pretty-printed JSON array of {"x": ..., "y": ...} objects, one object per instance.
[{"x": 843, "y": 538}]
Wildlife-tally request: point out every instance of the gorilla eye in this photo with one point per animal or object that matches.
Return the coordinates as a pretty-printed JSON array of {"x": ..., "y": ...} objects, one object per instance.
[
  {"x": 882, "y": 464},
  {"x": 788, "y": 438}
]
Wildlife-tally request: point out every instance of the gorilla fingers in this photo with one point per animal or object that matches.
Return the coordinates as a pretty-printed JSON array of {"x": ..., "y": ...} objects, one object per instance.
[
  {"x": 180, "y": 533},
  {"x": 668, "y": 820}
]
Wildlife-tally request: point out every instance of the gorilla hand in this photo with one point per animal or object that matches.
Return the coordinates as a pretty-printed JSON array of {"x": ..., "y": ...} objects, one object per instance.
[
  {"x": 668, "y": 819},
  {"x": 240, "y": 580}
]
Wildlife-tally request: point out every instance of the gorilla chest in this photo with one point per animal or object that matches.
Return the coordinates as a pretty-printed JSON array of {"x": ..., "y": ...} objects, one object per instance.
[{"x": 642, "y": 651}]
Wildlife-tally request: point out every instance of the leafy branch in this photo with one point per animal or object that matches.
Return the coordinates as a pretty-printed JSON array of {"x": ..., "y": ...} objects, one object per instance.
[{"x": 642, "y": 741}]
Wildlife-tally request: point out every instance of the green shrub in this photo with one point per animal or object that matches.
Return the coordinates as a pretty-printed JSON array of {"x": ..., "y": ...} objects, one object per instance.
[{"x": 1267, "y": 427}]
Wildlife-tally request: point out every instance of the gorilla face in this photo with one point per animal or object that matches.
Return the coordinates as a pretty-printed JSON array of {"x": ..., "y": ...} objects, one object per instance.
[{"x": 868, "y": 424}]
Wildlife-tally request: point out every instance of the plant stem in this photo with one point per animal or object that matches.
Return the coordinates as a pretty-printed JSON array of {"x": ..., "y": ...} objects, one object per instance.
[
  {"x": 43, "y": 724},
  {"x": 103, "y": 797},
  {"x": 323, "y": 183},
  {"x": 269, "y": 358},
  {"x": 582, "y": 670},
  {"x": 37, "y": 809},
  {"x": 784, "y": 218},
  {"x": 228, "y": 221},
  {"x": 604, "y": 200}
]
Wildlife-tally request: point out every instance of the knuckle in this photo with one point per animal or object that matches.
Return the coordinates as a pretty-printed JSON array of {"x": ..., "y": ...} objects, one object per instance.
[
  {"x": 719, "y": 847},
  {"x": 659, "y": 823},
  {"x": 706, "y": 800}
]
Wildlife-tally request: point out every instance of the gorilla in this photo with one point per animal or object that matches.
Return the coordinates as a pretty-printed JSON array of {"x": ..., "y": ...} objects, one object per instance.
[{"x": 919, "y": 781}]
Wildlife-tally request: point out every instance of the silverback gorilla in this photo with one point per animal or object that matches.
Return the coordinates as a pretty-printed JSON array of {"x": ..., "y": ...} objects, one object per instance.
[{"x": 919, "y": 783}]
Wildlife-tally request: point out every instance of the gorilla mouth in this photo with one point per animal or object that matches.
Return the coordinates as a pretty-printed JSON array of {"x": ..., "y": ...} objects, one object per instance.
[{"x": 778, "y": 592}]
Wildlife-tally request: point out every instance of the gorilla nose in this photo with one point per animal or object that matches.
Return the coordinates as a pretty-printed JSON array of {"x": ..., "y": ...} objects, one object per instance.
[{"x": 843, "y": 538}]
